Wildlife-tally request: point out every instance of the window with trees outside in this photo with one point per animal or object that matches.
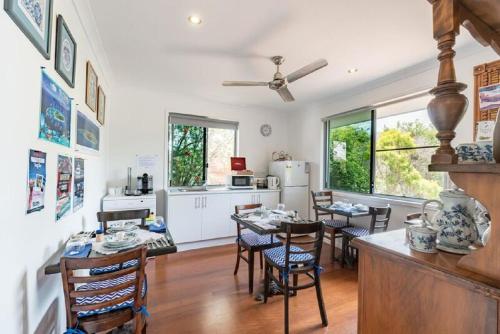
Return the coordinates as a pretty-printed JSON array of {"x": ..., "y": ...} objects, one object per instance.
[
  {"x": 384, "y": 150},
  {"x": 200, "y": 150}
]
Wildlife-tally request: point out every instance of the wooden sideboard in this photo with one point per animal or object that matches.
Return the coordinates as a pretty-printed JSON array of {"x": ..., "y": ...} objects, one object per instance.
[{"x": 403, "y": 291}]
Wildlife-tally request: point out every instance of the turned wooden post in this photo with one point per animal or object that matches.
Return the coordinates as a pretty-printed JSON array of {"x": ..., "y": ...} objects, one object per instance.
[{"x": 448, "y": 106}]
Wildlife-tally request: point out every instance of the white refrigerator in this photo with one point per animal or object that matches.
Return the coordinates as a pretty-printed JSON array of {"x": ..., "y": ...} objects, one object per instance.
[{"x": 294, "y": 184}]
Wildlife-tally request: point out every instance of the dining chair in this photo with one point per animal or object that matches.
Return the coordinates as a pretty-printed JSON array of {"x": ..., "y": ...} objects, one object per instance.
[
  {"x": 108, "y": 216},
  {"x": 296, "y": 257},
  {"x": 379, "y": 222},
  {"x": 251, "y": 242},
  {"x": 103, "y": 302},
  {"x": 332, "y": 226}
]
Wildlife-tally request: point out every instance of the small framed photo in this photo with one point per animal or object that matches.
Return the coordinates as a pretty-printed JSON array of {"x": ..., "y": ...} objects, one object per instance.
[
  {"x": 485, "y": 131},
  {"x": 91, "y": 88},
  {"x": 34, "y": 18},
  {"x": 65, "y": 52},
  {"x": 101, "y": 106}
]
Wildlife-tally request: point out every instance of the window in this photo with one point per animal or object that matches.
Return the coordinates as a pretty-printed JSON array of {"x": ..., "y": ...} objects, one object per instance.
[
  {"x": 386, "y": 154},
  {"x": 200, "y": 150},
  {"x": 350, "y": 151}
]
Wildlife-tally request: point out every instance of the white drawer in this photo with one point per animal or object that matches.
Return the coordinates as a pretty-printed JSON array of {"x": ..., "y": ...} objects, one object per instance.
[{"x": 129, "y": 204}]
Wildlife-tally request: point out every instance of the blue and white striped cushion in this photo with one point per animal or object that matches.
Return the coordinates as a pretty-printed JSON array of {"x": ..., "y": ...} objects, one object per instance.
[
  {"x": 335, "y": 223},
  {"x": 114, "y": 267},
  {"x": 254, "y": 239},
  {"x": 109, "y": 296},
  {"x": 277, "y": 255},
  {"x": 356, "y": 231}
]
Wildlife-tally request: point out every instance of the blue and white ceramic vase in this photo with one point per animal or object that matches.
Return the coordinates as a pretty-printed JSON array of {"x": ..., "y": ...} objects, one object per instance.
[{"x": 454, "y": 222}]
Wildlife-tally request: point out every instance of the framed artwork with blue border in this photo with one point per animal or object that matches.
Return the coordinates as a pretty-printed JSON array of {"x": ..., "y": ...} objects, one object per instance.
[
  {"x": 65, "y": 52},
  {"x": 34, "y": 18},
  {"x": 55, "y": 113}
]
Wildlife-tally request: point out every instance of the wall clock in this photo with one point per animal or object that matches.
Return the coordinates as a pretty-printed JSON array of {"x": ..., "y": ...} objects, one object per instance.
[{"x": 266, "y": 130}]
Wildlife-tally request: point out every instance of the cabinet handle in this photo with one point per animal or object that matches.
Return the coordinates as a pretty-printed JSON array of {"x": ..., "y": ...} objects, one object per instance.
[
  {"x": 204, "y": 202},
  {"x": 196, "y": 201}
]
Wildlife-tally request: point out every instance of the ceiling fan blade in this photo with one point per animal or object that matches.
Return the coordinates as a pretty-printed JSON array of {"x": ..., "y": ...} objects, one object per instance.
[
  {"x": 285, "y": 94},
  {"x": 244, "y": 83},
  {"x": 308, "y": 69}
]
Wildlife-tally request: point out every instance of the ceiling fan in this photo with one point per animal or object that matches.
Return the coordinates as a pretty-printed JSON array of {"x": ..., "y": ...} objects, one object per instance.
[{"x": 279, "y": 82}]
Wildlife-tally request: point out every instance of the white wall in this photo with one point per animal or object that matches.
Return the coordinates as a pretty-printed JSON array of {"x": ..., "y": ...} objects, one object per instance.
[
  {"x": 307, "y": 141},
  {"x": 139, "y": 127},
  {"x": 27, "y": 242}
]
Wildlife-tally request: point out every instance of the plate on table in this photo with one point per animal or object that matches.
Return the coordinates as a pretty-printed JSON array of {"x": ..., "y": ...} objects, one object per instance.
[
  {"x": 120, "y": 241},
  {"x": 361, "y": 207},
  {"x": 125, "y": 227}
]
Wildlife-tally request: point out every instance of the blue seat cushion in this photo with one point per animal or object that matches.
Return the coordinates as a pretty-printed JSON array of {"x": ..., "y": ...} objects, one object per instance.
[
  {"x": 114, "y": 267},
  {"x": 334, "y": 223},
  {"x": 253, "y": 239},
  {"x": 277, "y": 255},
  {"x": 356, "y": 231},
  {"x": 108, "y": 296}
]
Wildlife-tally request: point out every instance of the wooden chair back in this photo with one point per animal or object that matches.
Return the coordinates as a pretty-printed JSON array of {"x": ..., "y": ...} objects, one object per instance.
[
  {"x": 321, "y": 198},
  {"x": 107, "y": 216},
  {"x": 380, "y": 218},
  {"x": 245, "y": 208},
  {"x": 70, "y": 279},
  {"x": 309, "y": 246}
]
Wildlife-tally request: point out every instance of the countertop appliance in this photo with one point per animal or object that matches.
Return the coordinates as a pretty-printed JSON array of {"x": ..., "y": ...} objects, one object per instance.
[
  {"x": 145, "y": 184},
  {"x": 273, "y": 182},
  {"x": 240, "y": 182},
  {"x": 294, "y": 183}
]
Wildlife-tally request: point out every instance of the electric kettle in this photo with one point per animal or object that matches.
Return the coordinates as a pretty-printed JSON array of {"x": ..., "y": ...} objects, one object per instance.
[{"x": 273, "y": 182}]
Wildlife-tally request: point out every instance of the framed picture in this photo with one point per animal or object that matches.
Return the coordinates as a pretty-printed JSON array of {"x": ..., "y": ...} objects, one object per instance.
[
  {"x": 91, "y": 88},
  {"x": 65, "y": 52},
  {"x": 55, "y": 113},
  {"x": 33, "y": 17},
  {"x": 87, "y": 133},
  {"x": 101, "y": 106},
  {"x": 489, "y": 97}
]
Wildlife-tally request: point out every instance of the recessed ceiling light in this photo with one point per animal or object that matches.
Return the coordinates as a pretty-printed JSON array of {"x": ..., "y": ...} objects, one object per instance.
[
  {"x": 352, "y": 70},
  {"x": 194, "y": 19}
]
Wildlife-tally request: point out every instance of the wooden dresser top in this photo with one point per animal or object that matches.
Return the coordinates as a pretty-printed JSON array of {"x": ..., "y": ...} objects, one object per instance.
[{"x": 393, "y": 243}]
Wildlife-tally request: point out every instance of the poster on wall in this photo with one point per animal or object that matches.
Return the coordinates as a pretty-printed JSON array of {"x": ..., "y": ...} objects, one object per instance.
[
  {"x": 489, "y": 97},
  {"x": 36, "y": 181},
  {"x": 55, "y": 113},
  {"x": 87, "y": 132},
  {"x": 79, "y": 184},
  {"x": 64, "y": 179}
]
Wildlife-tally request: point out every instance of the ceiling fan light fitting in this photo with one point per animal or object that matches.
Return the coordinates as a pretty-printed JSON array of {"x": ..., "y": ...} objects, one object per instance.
[{"x": 194, "y": 19}]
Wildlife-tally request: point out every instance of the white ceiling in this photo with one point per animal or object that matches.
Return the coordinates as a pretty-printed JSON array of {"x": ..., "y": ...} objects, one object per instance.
[{"x": 150, "y": 43}]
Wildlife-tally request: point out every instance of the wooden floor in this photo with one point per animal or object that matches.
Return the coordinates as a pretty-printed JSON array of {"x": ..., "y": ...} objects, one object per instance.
[{"x": 196, "y": 292}]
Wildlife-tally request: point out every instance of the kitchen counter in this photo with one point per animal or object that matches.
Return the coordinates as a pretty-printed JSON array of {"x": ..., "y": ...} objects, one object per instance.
[
  {"x": 222, "y": 190},
  {"x": 198, "y": 218}
]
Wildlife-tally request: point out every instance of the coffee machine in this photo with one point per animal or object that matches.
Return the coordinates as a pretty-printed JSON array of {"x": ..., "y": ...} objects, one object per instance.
[{"x": 145, "y": 184}]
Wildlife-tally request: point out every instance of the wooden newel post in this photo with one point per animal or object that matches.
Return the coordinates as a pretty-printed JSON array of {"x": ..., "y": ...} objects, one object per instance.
[{"x": 448, "y": 106}]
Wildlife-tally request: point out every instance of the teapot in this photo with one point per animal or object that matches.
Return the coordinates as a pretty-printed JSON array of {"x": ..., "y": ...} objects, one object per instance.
[{"x": 454, "y": 221}]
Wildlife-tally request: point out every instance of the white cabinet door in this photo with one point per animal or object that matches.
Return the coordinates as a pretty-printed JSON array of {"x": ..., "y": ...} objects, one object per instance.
[
  {"x": 185, "y": 218},
  {"x": 269, "y": 199},
  {"x": 216, "y": 213},
  {"x": 242, "y": 199}
]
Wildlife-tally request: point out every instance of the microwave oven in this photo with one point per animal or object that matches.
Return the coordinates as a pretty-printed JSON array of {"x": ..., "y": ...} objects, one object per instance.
[{"x": 240, "y": 181}]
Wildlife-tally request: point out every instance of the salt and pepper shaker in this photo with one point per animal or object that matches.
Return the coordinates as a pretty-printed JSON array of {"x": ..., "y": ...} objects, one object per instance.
[{"x": 99, "y": 236}]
